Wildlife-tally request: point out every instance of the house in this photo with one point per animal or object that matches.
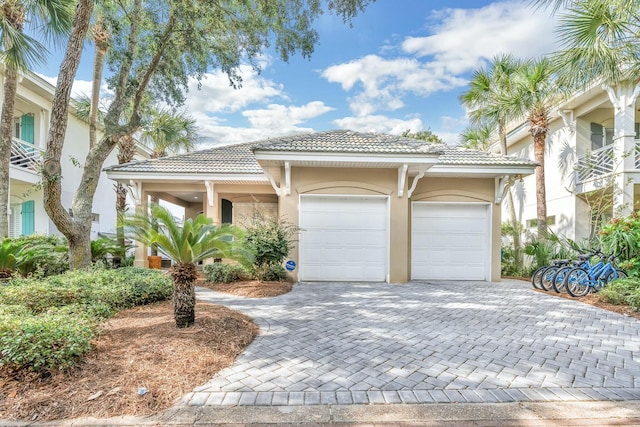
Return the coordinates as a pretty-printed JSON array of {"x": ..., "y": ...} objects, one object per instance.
[
  {"x": 592, "y": 162},
  {"x": 370, "y": 207},
  {"x": 30, "y": 131}
]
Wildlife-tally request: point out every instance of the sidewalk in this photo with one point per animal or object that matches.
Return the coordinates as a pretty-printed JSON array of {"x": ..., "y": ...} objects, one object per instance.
[{"x": 450, "y": 415}]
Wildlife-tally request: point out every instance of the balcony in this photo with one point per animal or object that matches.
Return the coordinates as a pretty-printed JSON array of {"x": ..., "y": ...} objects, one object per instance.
[{"x": 26, "y": 156}]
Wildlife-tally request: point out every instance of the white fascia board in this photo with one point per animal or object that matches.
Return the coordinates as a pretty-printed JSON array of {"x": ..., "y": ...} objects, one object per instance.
[
  {"x": 126, "y": 176},
  {"x": 481, "y": 170},
  {"x": 282, "y": 156}
]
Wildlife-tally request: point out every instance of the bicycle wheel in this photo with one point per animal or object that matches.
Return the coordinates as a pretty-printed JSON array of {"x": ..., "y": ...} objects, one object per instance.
[
  {"x": 547, "y": 277},
  {"x": 577, "y": 282},
  {"x": 557, "y": 282},
  {"x": 613, "y": 275},
  {"x": 535, "y": 277}
]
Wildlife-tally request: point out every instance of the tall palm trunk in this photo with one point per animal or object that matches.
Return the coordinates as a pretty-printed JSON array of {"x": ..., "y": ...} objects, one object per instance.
[
  {"x": 6, "y": 124},
  {"x": 539, "y": 129},
  {"x": 184, "y": 295},
  {"x": 126, "y": 151},
  {"x": 101, "y": 39}
]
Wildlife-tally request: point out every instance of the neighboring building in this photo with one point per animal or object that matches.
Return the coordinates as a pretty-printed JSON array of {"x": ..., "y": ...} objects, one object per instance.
[
  {"x": 592, "y": 162},
  {"x": 31, "y": 127},
  {"x": 370, "y": 207}
]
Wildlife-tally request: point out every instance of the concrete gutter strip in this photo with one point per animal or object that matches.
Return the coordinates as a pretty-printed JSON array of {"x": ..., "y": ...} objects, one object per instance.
[{"x": 620, "y": 413}]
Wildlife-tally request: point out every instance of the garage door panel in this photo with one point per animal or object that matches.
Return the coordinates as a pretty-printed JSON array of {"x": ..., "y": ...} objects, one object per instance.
[
  {"x": 450, "y": 241},
  {"x": 343, "y": 238}
]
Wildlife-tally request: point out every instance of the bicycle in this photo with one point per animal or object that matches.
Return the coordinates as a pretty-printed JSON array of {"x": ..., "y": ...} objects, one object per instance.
[
  {"x": 579, "y": 281},
  {"x": 584, "y": 261}
]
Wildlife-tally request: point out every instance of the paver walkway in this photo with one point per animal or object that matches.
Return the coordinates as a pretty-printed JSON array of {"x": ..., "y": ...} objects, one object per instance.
[{"x": 346, "y": 343}]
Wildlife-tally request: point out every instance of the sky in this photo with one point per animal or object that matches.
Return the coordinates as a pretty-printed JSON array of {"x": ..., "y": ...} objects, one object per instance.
[{"x": 401, "y": 66}]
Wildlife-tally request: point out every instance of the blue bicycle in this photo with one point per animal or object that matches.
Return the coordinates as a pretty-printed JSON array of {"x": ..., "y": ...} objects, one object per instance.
[{"x": 580, "y": 281}]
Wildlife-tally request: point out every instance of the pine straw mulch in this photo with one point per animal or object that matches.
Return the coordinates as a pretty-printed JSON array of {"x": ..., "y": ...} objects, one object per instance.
[
  {"x": 140, "y": 347},
  {"x": 251, "y": 289}
]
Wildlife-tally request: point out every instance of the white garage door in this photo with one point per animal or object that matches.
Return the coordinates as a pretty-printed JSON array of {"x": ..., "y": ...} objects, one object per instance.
[
  {"x": 343, "y": 238},
  {"x": 450, "y": 241}
]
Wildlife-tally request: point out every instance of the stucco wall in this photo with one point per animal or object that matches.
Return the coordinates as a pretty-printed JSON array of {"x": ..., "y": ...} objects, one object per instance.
[{"x": 332, "y": 181}]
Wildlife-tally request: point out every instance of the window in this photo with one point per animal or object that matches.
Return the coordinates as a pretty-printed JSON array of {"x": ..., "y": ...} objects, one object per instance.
[
  {"x": 533, "y": 223},
  {"x": 600, "y": 136}
]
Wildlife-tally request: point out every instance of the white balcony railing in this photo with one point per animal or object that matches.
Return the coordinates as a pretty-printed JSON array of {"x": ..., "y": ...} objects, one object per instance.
[
  {"x": 26, "y": 155},
  {"x": 595, "y": 164}
]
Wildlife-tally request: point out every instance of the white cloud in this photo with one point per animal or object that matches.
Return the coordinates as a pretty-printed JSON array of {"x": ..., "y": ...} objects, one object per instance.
[
  {"x": 460, "y": 41},
  {"x": 80, "y": 87},
  {"x": 384, "y": 82},
  {"x": 216, "y": 95},
  {"x": 465, "y": 38},
  {"x": 274, "y": 120},
  {"x": 379, "y": 123}
]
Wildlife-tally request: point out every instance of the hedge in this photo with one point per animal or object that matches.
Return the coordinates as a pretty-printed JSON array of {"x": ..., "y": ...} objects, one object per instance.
[{"x": 49, "y": 323}]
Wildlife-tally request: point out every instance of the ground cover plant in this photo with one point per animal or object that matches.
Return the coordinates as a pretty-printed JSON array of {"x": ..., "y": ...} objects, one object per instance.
[{"x": 48, "y": 324}]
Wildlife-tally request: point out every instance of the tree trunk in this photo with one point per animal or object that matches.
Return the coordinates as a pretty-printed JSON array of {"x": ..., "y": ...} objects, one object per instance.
[
  {"x": 184, "y": 295},
  {"x": 95, "y": 96},
  {"x": 76, "y": 229},
  {"x": 541, "y": 194},
  {"x": 6, "y": 126},
  {"x": 126, "y": 151}
]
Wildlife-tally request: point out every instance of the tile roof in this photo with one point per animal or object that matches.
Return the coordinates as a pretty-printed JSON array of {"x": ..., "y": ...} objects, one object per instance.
[
  {"x": 228, "y": 159},
  {"x": 239, "y": 158},
  {"x": 347, "y": 141},
  {"x": 465, "y": 156}
]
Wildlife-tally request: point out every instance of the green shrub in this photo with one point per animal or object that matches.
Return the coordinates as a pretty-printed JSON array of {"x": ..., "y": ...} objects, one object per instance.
[
  {"x": 46, "y": 255},
  {"x": 224, "y": 273},
  {"x": 271, "y": 272},
  {"x": 118, "y": 289},
  {"x": 49, "y": 323},
  {"x": 625, "y": 291},
  {"x": 44, "y": 342},
  {"x": 622, "y": 237},
  {"x": 270, "y": 241}
]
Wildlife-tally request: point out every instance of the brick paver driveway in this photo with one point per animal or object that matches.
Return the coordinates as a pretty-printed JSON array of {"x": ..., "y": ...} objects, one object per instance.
[{"x": 426, "y": 342}]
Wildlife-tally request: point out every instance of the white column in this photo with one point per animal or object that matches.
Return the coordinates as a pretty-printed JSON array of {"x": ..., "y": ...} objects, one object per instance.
[{"x": 623, "y": 97}]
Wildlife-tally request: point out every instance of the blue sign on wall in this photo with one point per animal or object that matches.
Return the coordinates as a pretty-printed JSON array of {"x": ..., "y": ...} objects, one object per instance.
[{"x": 290, "y": 265}]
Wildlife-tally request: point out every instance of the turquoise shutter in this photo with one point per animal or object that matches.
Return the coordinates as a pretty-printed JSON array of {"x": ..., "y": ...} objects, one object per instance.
[
  {"x": 28, "y": 218},
  {"x": 26, "y": 128}
]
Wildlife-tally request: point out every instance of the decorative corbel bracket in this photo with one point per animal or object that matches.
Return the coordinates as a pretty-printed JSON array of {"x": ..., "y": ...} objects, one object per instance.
[
  {"x": 402, "y": 178},
  {"x": 501, "y": 188},
  {"x": 568, "y": 119},
  {"x": 272, "y": 181},
  {"x": 415, "y": 183},
  {"x": 135, "y": 190}
]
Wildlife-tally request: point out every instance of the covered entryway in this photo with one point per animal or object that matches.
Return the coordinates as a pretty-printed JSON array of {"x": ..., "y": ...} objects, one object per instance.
[
  {"x": 450, "y": 241},
  {"x": 344, "y": 238}
]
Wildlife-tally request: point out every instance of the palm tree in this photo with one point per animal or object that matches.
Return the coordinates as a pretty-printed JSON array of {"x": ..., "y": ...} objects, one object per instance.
[
  {"x": 18, "y": 52},
  {"x": 600, "y": 41},
  {"x": 169, "y": 132},
  {"x": 195, "y": 241},
  {"x": 535, "y": 92},
  {"x": 485, "y": 106},
  {"x": 477, "y": 136}
]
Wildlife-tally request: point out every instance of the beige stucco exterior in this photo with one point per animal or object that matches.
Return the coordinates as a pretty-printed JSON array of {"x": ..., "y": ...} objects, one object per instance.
[
  {"x": 343, "y": 181},
  {"x": 384, "y": 182}
]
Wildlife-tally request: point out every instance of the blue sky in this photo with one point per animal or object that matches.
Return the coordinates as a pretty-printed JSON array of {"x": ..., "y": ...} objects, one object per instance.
[{"x": 402, "y": 65}]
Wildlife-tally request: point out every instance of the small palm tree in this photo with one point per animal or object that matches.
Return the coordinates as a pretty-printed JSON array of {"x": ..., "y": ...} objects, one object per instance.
[{"x": 196, "y": 240}]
